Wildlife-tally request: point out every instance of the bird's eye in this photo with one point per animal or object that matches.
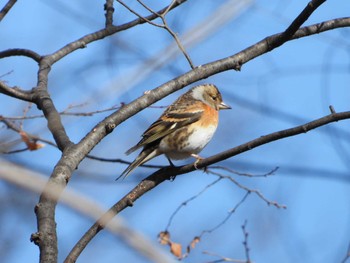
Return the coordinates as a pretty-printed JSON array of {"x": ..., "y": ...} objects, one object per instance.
[{"x": 214, "y": 98}]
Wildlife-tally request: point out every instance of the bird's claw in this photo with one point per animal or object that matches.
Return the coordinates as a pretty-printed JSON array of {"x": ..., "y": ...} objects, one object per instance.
[{"x": 198, "y": 159}]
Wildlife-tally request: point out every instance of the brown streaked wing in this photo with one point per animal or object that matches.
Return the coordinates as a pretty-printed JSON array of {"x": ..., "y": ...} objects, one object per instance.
[{"x": 166, "y": 124}]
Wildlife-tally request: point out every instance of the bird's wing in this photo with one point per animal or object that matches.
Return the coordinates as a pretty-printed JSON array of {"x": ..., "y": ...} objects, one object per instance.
[{"x": 170, "y": 121}]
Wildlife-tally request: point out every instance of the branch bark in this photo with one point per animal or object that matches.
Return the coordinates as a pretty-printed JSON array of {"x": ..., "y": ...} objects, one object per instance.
[{"x": 7, "y": 8}]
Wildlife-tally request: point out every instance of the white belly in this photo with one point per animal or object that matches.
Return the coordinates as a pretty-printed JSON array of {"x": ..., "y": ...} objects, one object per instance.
[{"x": 193, "y": 144}]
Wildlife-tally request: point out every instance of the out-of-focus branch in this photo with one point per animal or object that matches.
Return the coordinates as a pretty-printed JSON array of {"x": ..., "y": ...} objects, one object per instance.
[
  {"x": 36, "y": 182},
  {"x": 17, "y": 129},
  {"x": 347, "y": 256}
]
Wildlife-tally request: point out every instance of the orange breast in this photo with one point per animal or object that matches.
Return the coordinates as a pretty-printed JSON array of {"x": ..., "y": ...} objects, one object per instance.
[{"x": 210, "y": 117}]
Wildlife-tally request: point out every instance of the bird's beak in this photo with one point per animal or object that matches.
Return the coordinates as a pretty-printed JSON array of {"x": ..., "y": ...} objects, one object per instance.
[{"x": 224, "y": 106}]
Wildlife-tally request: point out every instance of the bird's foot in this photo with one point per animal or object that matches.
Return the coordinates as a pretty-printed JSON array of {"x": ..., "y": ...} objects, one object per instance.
[
  {"x": 170, "y": 162},
  {"x": 198, "y": 159}
]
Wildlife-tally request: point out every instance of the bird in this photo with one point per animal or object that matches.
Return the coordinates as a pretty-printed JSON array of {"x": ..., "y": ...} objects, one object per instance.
[{"x": 184, "y": 128}]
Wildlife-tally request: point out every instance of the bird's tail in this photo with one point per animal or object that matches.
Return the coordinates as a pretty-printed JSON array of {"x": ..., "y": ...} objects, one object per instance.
[{"x": 144, "y": 156}]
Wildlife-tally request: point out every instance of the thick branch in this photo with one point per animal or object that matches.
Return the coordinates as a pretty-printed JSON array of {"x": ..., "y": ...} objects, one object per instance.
[
  {"x": 44, "y": 102},
  {"x": 170, "y": 172},
  {"x": 46, "y": 237}
]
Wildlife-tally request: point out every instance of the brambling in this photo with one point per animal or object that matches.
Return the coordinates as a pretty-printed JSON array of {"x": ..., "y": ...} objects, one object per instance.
[{"x": 184, "y": 128}]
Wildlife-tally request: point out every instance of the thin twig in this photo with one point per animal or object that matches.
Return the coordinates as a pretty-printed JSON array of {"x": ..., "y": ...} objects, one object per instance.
[
  {"x": 178, "y": 42},
  {"x": 245, "y": 241},
  {"x": 249, "y": 190},
  {"x": 139, "y": 16},
  {"x": 228, "y": 216},
  {"x": 185, "y": 203},
  {"x": 227, "y": 169},
  {"x": 165, "y": 26},
  {"x": 223, "y": 259}
]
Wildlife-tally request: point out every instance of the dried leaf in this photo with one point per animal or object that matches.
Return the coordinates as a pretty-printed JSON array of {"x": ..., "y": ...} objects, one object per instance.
[
  {"x": 164, "y": 238},
  {"x": 176, "y": 249},
  {"x": 31, "y": 144},
  {"x": 195, "y": 241},
  {"x": 36, "y": 146}
]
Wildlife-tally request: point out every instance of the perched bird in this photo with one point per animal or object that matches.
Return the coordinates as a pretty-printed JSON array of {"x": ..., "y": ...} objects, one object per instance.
[{"x": 184, "y": 128}]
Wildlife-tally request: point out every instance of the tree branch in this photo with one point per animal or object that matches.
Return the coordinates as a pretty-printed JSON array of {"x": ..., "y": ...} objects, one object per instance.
[
  {"x": 20, "y": 52},
  {"x": 170, "y": 172},
  {"x": 7, "y": 8},
  {"x": 109, "y": 12},
  {"x": 294, "y": 26},
  {"x": 16, "y": 92}
]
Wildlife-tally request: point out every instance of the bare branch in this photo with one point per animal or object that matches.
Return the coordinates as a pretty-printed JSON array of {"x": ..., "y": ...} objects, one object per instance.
[
  {"x": 249, "y": 190},
  {"x": 185, "y": 203},
  {"x": 223, "y": 259},
  {"x": 109, "y": 12},
  {"x": 294, "y": 26},
  {"x": 7, "y": 8},
  {"x": 16, "y": 92},
  {"x": 228, "y": 216},
  {"x": 178, "y": 42},
  {"x": 140, "y": 16},
  {"x": 18, "y": 130},
  {"x": 245, "y": 242},
  {"x": 20, "y": 52},
  {"x": 245, "y": 174},
  {"x": 171, "y": 32}
]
